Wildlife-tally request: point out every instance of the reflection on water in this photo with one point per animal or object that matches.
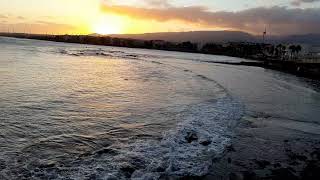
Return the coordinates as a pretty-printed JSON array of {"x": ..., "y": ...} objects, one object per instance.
[
  {"x": 58, "y": 108},
  {"x": 86, "y": 112}
]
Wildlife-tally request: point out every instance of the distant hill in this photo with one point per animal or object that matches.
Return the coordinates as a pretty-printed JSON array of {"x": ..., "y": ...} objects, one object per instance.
[
  {"x": 194, "y": 36},
  {"x": 221, "y": 36}
]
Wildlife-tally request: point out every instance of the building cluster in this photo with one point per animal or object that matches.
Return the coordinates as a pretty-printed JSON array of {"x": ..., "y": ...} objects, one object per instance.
[{"x": 260, "y": 51}]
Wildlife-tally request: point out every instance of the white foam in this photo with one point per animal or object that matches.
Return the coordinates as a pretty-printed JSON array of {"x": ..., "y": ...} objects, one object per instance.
[
  {"x": 209, "y": 128},
  {"x": 187, "y": 150}
]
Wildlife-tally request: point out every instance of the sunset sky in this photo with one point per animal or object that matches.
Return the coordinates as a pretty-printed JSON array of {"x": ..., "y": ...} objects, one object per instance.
[{"x": 142, "y": 16}]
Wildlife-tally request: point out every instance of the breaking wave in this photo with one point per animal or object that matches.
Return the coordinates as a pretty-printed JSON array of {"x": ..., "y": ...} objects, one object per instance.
[{"x": 119, "y": 120}]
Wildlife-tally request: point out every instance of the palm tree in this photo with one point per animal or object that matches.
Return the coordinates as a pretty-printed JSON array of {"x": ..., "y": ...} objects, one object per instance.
[
  {"x": 298, "y": 49},
  {"x": 292, "y": 50},
  {"x": 278, "y": 50},
  {"x": 281, "y": 50}
]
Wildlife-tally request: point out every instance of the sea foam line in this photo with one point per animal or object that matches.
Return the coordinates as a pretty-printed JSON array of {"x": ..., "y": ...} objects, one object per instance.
[{"x": 188, "y": 150}]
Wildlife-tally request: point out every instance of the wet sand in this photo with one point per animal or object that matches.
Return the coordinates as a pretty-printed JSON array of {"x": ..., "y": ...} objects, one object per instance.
[
  {"x": 269, "y": 148},
  {"x": 279, "y": 136}
]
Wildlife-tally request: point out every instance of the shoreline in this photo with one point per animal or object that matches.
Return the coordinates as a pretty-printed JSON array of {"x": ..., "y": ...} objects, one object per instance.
[
  {"x": 265, "y": 152},
  {"x": 308, "y": 70},
  {"x": 267, "y": 142},
  {"x": 262, "y": 150}
]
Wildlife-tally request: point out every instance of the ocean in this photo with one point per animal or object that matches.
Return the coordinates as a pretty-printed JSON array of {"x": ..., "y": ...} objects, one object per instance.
[{"x": 71, "y": 111}]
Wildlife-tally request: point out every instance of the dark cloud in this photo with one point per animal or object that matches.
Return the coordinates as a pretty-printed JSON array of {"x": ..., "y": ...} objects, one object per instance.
[
  {"x": 280, "y": 20},
  {"x": 299, "y": 2}
]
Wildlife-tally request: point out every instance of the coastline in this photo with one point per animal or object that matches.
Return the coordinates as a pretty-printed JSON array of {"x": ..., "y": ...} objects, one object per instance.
[
  {"x": 264, "y": 146},
  {"x": 299, "y": 68},
  {"x": 308, "y": 70},
  {"x": 265, "y": 149},
  {"x": 270, "y": 152}
]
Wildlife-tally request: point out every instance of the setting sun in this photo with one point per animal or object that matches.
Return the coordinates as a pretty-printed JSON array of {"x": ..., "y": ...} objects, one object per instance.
[
  {"x": 159, "y": 89},
  {"x": 108, "y": 25},
  {"x": 106, "y": 29}
]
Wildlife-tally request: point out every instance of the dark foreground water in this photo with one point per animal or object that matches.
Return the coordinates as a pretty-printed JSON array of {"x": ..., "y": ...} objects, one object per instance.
[{"x": 72, "y": 111}]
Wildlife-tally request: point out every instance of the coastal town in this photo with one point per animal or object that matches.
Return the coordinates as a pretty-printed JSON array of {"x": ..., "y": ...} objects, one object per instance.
[{"x": 299, "y": 59}]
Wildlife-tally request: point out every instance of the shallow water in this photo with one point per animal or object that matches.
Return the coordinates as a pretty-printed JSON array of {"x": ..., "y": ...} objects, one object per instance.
[{"x": 81, "y": 112}]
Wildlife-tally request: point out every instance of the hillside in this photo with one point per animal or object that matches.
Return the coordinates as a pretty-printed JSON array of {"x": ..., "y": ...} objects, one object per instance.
[{"x": 194, "y": 36}]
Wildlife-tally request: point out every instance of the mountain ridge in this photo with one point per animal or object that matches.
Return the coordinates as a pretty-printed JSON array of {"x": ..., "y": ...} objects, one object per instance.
[{"x": 220, "y": 37}]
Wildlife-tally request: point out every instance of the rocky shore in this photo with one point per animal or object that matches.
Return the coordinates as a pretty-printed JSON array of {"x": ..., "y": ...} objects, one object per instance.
[{"x": 264, "y": 149}]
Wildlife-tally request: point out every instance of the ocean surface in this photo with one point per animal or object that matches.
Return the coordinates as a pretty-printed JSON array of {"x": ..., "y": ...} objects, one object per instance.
[{"x": 70, "y": 111}]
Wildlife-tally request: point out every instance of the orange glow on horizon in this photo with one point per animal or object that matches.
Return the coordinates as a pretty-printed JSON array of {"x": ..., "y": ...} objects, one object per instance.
[
  {"x": 109, "y": 24},
  {"x": 87, "y": 18}
]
